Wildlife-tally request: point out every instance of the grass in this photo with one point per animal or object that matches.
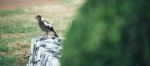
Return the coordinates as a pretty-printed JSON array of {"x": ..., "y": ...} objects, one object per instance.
[
  {"x": 18, "y": 27},
  {"x": 7, "y": 60},
  {"x": 11, "y": 12}
]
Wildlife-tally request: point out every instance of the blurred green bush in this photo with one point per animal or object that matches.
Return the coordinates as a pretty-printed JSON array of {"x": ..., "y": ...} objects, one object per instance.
[{"x": 109, "y": 33}]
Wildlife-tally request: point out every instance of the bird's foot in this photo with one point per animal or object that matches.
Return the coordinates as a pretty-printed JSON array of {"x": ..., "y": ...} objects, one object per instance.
[
  {"x": 42, "y": 38},
  {"x": 53, "y": 37}
]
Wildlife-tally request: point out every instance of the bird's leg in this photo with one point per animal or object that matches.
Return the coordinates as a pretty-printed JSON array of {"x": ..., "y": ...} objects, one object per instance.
[
  {"x": 43, "y": 37},
  {"x": 46, "y": 34},
  {"x": 42, "y": 33}
]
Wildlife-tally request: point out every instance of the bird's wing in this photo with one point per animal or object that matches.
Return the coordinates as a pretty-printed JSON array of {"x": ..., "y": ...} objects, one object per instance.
[{"x": 47, "y": 24}]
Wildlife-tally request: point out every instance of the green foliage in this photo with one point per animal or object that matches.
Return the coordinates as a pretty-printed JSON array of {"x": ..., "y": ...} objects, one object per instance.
[
  {"x": 109, "y": 33},
  {"x": 7, "y": 61}
]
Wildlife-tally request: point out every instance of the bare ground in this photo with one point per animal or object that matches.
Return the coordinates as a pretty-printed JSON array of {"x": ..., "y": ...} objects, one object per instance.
[{"x": 12, "y": 4}]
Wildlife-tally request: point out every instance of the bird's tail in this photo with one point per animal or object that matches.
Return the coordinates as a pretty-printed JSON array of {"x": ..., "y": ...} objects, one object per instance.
[{"x": 55, "y": 34}]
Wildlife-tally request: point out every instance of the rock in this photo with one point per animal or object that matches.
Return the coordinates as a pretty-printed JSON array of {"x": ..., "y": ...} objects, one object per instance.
[{"x": 45, "y": 52}]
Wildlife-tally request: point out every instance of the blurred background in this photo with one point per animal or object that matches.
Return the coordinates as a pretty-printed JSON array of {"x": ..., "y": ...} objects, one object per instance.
[
  {"x": 18, "y": 26},
  {"x": 109, "y": 33}
]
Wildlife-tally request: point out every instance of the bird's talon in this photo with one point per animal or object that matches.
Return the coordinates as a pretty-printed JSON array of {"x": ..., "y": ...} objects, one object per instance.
[{"x": 42, "y": 39}]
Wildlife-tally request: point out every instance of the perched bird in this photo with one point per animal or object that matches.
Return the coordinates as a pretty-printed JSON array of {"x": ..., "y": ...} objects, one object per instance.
[{"x": 45, "y": 26}]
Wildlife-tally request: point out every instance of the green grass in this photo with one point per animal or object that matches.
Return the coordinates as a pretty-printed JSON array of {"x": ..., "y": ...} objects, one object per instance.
[
  {"x": 12, "y": 23},
  {"x": 11, "y": 12},
  {"x": 4, "y": 43},
  {"x": 3, "y": 48},
  {"x": 15, "y": 22},
  {"x": 17, "y": 27},
  {"x": 7, "y": 60}
]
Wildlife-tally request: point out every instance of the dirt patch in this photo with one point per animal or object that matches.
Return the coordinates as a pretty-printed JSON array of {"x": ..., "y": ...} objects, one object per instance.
[
  {"x": 12, "y": 4},
  {"x": 17, "y": 35},
  {"x": 19, "y": 49},
  {"x": 22, "y": 52},
  {"x": 19, "y": 45}
]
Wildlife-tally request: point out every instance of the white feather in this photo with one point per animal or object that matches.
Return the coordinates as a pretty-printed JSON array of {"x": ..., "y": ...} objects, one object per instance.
[
  {"x": 42, "y": 18},
  {"x": 47, "y": 24}
]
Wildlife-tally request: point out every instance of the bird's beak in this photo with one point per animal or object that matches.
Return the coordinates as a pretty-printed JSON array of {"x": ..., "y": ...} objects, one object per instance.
[{"x": 35, "y": 18}]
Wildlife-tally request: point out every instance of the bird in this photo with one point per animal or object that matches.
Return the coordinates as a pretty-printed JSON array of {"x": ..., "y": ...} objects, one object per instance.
[{"x": 45, "y": 26}]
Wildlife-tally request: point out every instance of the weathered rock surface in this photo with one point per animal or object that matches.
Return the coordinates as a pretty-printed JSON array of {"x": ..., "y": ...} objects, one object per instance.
[{"x": 45, "y": 52}]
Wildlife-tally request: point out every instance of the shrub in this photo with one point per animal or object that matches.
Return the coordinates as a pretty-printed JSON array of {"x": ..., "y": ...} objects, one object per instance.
[{"x": 109, "y": 33}]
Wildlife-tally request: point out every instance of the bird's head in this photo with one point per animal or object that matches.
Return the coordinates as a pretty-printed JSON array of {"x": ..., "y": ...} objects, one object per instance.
[{"x": 39, "y": 17}]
